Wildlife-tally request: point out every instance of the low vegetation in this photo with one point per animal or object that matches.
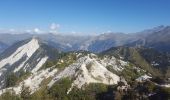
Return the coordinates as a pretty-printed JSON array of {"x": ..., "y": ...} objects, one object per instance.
[
  {"x": 13, "y": 79},
  {"x": 137, "y": 91}
]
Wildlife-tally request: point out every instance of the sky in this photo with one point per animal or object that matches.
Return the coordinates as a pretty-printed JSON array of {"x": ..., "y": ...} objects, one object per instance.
[{"x": 83, "y": 16}]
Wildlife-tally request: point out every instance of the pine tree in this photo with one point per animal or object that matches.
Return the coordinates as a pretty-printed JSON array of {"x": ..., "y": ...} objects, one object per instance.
[{"x": 25, "y": 92}]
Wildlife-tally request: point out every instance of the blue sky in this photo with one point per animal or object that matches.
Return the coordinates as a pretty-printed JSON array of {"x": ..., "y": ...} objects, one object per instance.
[{"x": 84, "y": 16}]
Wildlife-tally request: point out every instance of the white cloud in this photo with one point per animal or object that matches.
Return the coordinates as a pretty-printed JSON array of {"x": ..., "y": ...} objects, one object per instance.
[
  {"x": 73, "y": 32},
  {"x": 12, "y": 30},
  {"x": 37, "y": 30},
  {"x": 109, "y": 31},
  {"x": 54, "y": 28},
  {"x": 28, "y": 31}
]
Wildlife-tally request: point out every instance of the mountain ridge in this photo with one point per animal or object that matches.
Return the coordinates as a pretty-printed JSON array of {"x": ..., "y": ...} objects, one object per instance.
[
  {"x": 157, "y": 38},
  {"x": 53, "y": 68}
]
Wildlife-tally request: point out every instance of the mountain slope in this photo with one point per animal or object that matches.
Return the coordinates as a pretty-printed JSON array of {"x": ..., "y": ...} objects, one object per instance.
[
  {"x": 157, "y": 38},
  {"x": 28, "y": 55},
  {"x": 144, "y": 58},
  {"x": 107, "y": 40},
  {"x": 76, "y": 71},
  {"x": 3, "y": 46},
  {"x": 36, "y": 65},
  {"x": 85, "y": 70}
]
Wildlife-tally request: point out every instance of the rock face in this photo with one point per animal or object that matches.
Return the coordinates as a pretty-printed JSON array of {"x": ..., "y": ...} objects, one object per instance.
[
  {"x": 143, "y": 78},
  {"x": 28, "y": 55},
  {"x": 85, "y": 70},
  {"x": 25, "y": 51}
]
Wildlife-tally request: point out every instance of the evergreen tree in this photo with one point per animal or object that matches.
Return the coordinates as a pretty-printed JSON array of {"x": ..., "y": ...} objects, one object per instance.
[
  {"x": 25, "y": 93},
  {"x": 11, "y": 80}
]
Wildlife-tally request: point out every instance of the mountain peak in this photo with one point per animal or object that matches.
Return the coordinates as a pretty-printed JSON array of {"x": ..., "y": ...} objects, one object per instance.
[{"x": 35, "y": 38}]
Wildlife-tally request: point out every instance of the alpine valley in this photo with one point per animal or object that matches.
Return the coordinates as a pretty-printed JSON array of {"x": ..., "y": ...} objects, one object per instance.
[{"x": 110, "y": 66}]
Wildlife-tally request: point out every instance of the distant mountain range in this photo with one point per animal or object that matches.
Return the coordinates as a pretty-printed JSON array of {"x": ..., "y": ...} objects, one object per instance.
[
  {"x": 3, "y": 46},
  {"x": 157, "y": 38},
  {"x": 75, "y": 67}
]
